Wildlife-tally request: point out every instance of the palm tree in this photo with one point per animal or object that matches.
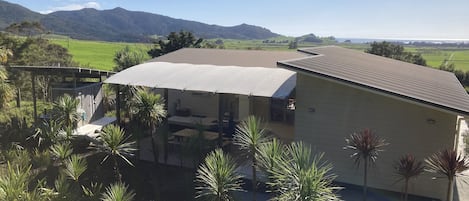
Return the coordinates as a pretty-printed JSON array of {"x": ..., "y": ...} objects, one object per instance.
[
  {"x": 217, "y": 178},
  {"x": 148, "y": 108},
  {"x": 270, "y": 153},
  {"x": 365, "y": 146},
  {"x": 48, "y": 133},
  {"x": 14, "y": 182},
  {"x": 249, "y": 136},
  {"x": 407, "y": 168},
  {"x": 300, "y": 176},
  {"x": 61, "y": 151},
  {"x": 448, "y": 163},
  {"x": 118, "y": 192},
  {"x": 114, "y": 144},
  {"x": 65, "y": 111},
  {"x": 75, "y": 167}
]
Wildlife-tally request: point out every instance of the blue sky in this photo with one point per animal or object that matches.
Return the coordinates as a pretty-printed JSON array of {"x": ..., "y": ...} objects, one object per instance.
[{"x": 425, "y": 19}]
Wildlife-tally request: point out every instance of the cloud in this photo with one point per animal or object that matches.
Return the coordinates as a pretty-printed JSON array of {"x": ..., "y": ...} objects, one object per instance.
[{"x": 91, "y": 4}]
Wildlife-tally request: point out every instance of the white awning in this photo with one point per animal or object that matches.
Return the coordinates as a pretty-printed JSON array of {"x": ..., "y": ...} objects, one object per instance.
[{"x": 252, "y": 81}]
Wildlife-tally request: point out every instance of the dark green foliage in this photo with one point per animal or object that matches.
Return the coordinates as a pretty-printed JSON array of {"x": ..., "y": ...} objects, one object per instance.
[
  {"x": 217, "y": 177},
  {"x": 40, "y": 52},
  {"x": 300, "y": 175},
  {"x": 395, "y": 51},
  {"x": 462, "y": 76},
  {"x": 118, "y": 192},
  {"x": 293, "y": 44},
  {"x": 126, "y": 58},
  {"x": 173, "y": 42},
  {"x": 113, "y": 142},
  {"x": 26, "y": 28},
  {"x": 250, "y": 135}
]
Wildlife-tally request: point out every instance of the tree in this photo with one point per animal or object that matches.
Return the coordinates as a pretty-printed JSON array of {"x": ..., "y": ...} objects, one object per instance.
[
  {"x": 14, "y": 182},
  {"x": 301, "y": 176},
  {"x": 126, "y": 58},
  {"x": 148, "y": 109},
  {"x": 270, "y": 153},
  {"x": 217, "y": 177},
  {"x": 113, "y": 143},
  {"x": 365, "y": 146},
  {"x": 65, "y": 111},
  {"x": 407, "y": 168},
  {"x": 118, "y": 192},
  {"x": 175, "y": 41},
  {"x": 25, "y": 28},
  {"x": 293, "y": 44},
  {"x": 394, "y": 51},
  {"x": 4, "y": 54},
  {"x": 447, "y": 163},
  {"x": 6, "y": 92},
  {"x": 249, "y": 136},
  {"x": 75, "y": 167}
]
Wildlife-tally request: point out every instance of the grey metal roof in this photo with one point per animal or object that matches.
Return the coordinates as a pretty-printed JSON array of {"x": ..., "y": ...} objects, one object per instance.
[
  {"x": 65, "y": 71},
  {"x": 223, "y": 57},
  {"x": 405, "y": 80}
]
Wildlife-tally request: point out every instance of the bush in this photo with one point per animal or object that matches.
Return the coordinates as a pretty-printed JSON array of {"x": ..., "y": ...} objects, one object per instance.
[
  {"x": 41, "y": 159},
  {"x": 16, "y": 157}
]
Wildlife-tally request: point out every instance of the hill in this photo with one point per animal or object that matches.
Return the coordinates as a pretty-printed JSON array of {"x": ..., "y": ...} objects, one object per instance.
[
  {"x": 10, "y": 13},
  {"x": 119, "y": 24}
]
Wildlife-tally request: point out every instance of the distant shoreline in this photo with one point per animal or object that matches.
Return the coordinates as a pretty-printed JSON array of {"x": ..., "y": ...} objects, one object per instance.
[{"x": 403, "y": 40}]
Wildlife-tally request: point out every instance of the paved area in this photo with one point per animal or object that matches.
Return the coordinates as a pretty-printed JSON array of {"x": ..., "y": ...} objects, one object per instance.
[{"x": 91, "y": 128}]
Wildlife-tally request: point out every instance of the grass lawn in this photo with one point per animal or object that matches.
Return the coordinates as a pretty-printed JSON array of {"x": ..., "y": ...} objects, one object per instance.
[{"x": 96, "y": 54}]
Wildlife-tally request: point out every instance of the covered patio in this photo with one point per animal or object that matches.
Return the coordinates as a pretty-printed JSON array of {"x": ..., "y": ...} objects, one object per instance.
[{"x": 217, "y": 97}]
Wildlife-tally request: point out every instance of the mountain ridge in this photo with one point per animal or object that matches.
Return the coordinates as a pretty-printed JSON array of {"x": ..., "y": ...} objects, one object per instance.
[{"x": 119, "y": 24}]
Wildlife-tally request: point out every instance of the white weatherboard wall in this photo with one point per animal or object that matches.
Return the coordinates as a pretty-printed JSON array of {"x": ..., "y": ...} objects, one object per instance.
[{"x": 328, "y": 112}]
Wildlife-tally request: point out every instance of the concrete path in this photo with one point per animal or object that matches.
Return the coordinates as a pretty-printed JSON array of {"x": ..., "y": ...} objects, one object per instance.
[{"x": 91, "y": 128}]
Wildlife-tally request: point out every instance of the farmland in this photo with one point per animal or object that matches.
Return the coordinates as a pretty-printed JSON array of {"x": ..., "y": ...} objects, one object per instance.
[
  {"x": 96, "y": 54},
  {"x": 99, "y": 54}
]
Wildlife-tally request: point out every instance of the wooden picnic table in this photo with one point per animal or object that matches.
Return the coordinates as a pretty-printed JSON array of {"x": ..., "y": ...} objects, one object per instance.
[
  {"x": 188, "y": 132},
  {"x": 192, "y": 121}
]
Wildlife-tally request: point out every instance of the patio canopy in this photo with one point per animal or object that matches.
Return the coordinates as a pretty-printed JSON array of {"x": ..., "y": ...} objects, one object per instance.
[{"x": 252, "y": 81}]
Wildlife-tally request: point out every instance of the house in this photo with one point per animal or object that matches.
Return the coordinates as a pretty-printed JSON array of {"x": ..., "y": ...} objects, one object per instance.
[
  {"x": 338, "y": 91},
  {"x": 416, "y": 109}
]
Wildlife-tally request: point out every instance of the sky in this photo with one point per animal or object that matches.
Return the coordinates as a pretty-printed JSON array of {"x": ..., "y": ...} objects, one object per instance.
[{"x": 384, "y": 19}]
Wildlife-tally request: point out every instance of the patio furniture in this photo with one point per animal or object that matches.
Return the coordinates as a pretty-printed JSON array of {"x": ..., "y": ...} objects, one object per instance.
[
  {"x": 185, "y": 133},
  {"x": 192, "y": 121}
]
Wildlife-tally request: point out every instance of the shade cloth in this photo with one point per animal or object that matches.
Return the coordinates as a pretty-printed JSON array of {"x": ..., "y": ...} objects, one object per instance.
[{"x": 252, "y": 81}]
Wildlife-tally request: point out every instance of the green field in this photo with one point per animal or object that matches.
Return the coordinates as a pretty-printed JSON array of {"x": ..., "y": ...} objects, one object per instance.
[
  {"x": 99, "y": 55},
  {"x": 436, "y": 56},
  {"x": 96, "y": 54}
]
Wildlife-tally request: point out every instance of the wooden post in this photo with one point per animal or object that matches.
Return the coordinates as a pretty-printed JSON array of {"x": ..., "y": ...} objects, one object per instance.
[
  {"x": 166, "y": 126},
  {"x": 33, "y": 85},
  {"x": 118, "y": 104},
  {"x": 18, "y": 97},
  {"x": 220, "y": 119}
]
